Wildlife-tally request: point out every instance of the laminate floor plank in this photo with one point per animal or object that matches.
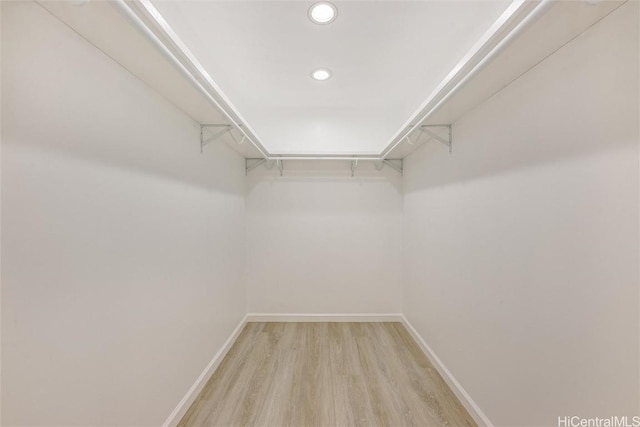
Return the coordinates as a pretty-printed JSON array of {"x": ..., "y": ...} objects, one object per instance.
[{"x": 326, "y": 374}]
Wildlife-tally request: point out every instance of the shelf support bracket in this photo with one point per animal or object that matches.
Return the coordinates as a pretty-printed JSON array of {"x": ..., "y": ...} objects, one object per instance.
[
  {"x": 354, "y": 166},
  {"x": 251, "y": 164},
  {"x": 223, "y": 130},
  {"x": 446, "y": 141},
  {"x": 398, "y": 167}
]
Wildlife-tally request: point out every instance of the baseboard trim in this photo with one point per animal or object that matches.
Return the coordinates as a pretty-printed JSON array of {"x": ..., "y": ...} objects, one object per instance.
[
  {"x": 182, "y": 408},
  {"x": 324, "y": 317},
  {"x": 466, "y": 400}
]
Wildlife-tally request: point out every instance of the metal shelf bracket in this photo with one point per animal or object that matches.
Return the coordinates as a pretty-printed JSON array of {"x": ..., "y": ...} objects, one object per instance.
[
  {"x": 396, "y": 165},
  {"x": 251, "y": 164},
  {"x": 446, "y": 141},
  {"x": 223, "y": 129}
]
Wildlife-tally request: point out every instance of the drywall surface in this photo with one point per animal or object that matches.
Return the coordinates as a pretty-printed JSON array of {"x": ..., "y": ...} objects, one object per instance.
[
  {"x": 521, "y": 248},
  {"x": 321, "y": 241},
  {"x": 122, "y": 245}
]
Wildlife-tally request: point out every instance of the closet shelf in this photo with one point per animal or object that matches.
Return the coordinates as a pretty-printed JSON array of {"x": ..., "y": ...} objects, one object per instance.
[{"x": 135, "y": 35}]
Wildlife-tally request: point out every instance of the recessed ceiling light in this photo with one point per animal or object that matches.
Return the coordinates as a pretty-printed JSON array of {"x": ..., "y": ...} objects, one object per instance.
[
  {"x": 321, "y": 74},
  {"x": 323, "y": 12}
]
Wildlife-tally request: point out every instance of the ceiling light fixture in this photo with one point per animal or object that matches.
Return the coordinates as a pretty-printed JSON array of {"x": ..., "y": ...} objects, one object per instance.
[
  {"x": 321, "y": 74},
  {"x": 323, "y": 12}
]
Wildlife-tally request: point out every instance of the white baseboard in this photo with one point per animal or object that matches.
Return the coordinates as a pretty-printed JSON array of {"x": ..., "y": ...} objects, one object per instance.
[
  {"x": 474, "y": 410},
  {"x": 324, "y": 317},
  {"x": 182, "y": 408}
]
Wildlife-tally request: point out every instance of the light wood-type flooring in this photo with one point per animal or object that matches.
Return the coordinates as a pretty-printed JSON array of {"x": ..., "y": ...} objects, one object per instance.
[{"x": 326, "y": 374}]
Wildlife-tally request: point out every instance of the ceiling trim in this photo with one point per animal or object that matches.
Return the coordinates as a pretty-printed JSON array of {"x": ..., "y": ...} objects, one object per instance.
[{"x": 143, "y": 15}]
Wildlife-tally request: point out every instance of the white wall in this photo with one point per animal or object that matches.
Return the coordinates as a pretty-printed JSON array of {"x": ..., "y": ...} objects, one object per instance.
[
  {"x": 320, "y": 241},
  {"x": 521, "y": 247},
  {"x": 122, "y": 245}
]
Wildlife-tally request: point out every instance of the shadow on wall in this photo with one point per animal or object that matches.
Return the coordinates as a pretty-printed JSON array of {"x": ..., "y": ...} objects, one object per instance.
[
  {"x": 549, "y": 114},
  {"x": 86, "y": 106}
]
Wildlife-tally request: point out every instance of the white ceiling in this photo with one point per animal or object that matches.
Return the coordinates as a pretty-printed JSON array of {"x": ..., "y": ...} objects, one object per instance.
[{"x": 386, "y": 57}]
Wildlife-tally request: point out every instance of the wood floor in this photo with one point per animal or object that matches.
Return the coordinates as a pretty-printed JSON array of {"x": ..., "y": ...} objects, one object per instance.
[{"x": 326, "y": 374}]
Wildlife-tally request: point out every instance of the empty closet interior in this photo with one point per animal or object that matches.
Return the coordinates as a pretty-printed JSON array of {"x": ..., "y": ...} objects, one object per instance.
[{"x": 373, "y": 212}]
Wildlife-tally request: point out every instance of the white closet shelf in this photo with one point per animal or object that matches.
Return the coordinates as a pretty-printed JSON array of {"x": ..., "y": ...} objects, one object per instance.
[{"x": 134, "y": 34}]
